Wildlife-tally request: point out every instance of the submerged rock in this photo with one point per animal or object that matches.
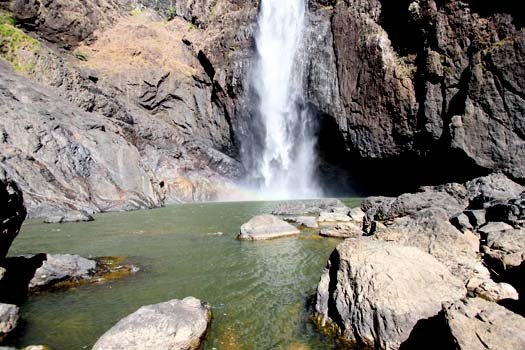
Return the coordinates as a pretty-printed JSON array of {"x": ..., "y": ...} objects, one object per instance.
[
  {"x": 8, "y": 319},
  {"x": 266, "y": 227},
  {"x": 375, "y": 292},
  {"x": 479, "y": 324},
  {"x": 303, "y": 221},
  {"x": 311, "y": 206},
  {"x": 60, "y": 267},
  {"x": 175, "y": 324},
  {"x": 72, "y": 216}
]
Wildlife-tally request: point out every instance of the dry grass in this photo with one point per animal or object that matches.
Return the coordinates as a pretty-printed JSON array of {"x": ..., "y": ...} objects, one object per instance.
[{"x": 141, "y": 42}]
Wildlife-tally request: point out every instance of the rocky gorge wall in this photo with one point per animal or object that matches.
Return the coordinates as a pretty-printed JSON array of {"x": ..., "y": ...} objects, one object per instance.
[
  {"x": 128, "y": 110},
  {"x": 411, "y": 93},
  {"x": 433, "y": 83}
]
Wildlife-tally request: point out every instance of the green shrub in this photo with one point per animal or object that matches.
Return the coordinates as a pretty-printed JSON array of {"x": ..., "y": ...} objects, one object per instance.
[
  {"x": 171, "y": 13},
  {"x": 81, "y": 56},
  {"x": 13, "y": 43}
]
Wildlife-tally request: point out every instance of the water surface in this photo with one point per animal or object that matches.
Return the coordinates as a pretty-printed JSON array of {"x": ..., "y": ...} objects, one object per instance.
[{"x": 258, "y": 290}]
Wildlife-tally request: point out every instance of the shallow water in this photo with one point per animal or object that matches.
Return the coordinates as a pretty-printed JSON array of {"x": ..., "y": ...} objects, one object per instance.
[{"x": 258, "y": 290}]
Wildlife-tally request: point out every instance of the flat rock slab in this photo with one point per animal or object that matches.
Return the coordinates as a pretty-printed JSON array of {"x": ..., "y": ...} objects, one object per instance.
[
  {"x": 343, "y": 230},
  {"x": 479, "y": 324},
  {"x": 175, "y": 324},
  {"x": 430, "y": 230},
  {"x": 310, "y": 206},
  {"x": 60, "y": 267},
  {"x": 266, "y": 227},
  {"x": 338, "y": 216},
  {"x": 375, "y": 292},
  {"x": 304, "y": 221}
]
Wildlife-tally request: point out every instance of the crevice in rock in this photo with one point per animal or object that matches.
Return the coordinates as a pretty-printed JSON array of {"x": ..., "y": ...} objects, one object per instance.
[
  {"x": 430, "y": 333},
  {"x": 397, "y": 21},
  {"x": 333, "y": 314},
  {"x": 14, "y": 286},
  {"x": 487, "y": 8}
]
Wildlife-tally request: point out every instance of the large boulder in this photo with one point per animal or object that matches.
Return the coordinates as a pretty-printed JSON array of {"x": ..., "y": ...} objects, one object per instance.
[
  {"x": 61, "y": 267},
  {"x": 12, "y": 214},
  {"x": 388, "y": 208},
  {"x": 505, "y": 250},
  {"x": 311, "y": 206},
  {"x": 375, "y": 292},
  {"x": 175, "y": 324},
  {"x": 430, "y": 231},
  {"x": 8, "y": 319},
  {"x": 494, "y": 187},
  {"x": 266, "y": 227},
  {"x": 479, "y": 324}
]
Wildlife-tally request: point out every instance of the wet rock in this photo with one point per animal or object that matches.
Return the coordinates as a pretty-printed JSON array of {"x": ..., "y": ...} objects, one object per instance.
[
  {"x": 12, "y": 214},
  {"x": 176, "y": 324},
  {"x": 475, "y": 323},
  {"x": 340, "y": 216},
  {"x": 304, "y": 221},
  {"x": 375, "y": 292},
  {"x": 61, "y": 267},
  {"x": 431, "y": 231},
  {"x": 74, "y": 216},
  {"x": 312, "y": 206},
  {"x": 343, "y": 230},
  {"x": 8, "y": 319},
  {"x": 263, "y": 227}
]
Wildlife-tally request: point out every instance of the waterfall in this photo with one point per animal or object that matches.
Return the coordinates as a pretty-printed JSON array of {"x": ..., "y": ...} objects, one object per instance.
[{"x": 286, "y": 161}]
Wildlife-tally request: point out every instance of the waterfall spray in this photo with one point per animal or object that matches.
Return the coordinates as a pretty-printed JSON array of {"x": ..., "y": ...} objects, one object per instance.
[{"x": 286, "y": 164}]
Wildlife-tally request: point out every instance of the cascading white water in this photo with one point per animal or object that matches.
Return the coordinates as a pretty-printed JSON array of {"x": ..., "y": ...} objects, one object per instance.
[{"x": 287, "y": 161}]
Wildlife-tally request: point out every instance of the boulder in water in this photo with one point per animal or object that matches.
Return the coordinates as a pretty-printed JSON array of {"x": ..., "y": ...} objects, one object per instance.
[
  {"x": 175, "y": 324},
  {"x": 266, "y": 227}
]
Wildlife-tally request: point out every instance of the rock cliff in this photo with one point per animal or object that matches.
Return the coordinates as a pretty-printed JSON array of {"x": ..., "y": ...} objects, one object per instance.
[
  {"x": 131, "y": 110},
  {"x": 433, "y": 83},
  {"x": 440, "y": 81}
]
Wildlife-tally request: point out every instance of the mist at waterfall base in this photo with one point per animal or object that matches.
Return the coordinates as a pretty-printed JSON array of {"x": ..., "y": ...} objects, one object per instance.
[{"x": 281, "y": 149}]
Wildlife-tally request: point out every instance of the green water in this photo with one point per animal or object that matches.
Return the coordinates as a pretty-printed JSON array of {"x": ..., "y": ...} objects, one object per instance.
[{"x": 258, "y": 290}]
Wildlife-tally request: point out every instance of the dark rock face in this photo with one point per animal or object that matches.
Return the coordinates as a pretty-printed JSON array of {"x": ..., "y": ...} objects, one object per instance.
[
  {"x": 67, "y": 22},
  {"x": 441, "y": 80},
  {"x": 12, "y": 214}
]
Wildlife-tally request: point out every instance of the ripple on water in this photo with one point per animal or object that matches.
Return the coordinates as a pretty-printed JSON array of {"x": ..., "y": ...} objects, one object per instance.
[{"x": 258, "y": 290}]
